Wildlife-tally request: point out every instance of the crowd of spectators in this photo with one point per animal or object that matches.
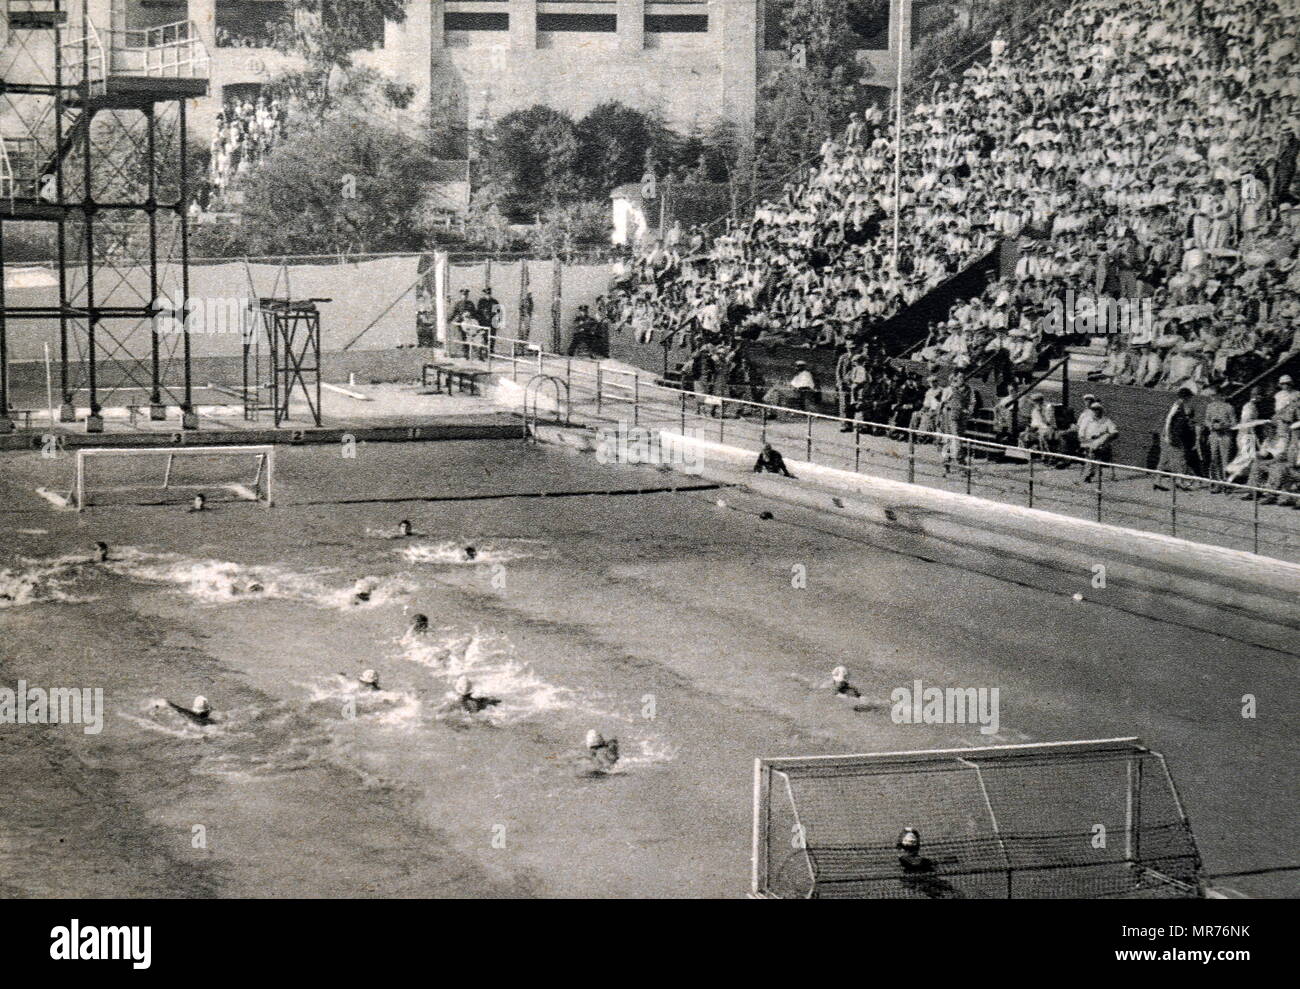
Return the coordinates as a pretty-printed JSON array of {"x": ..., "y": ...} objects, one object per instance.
[
  {"x": 1130, "y": 152},
  {"x": 227, "y": 38},
  {"x": 246, "y": 132}
]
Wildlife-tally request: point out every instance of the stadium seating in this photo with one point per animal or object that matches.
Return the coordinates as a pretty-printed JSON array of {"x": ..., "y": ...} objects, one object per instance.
[{"x": 1129, "y": 154}]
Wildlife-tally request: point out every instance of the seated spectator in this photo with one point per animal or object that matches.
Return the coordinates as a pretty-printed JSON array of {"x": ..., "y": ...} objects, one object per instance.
[
  {"x": 804, "y": 388},
  {"x": 1041, "y": 432},
  {"x": 1273, "y": 466}
]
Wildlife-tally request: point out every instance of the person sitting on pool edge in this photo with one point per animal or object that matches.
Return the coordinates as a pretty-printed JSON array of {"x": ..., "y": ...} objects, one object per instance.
[{"x": 771, "y": 461}]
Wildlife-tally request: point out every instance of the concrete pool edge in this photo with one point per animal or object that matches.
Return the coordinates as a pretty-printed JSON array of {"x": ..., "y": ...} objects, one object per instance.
[{"x": 1176, "y": 578}]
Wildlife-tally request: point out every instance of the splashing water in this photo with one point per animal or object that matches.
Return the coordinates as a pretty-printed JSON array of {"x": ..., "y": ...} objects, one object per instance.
[
  {"x": 491, "y": 662},
  {"x": 387, "y": 708},
  {"x": 222, "y": 582},
  {"x": 453, "y": 553},
  {"x": 46, "y": 582}
]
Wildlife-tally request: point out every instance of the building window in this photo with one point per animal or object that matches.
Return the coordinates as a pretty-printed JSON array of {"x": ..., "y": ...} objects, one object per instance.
[
  {"x": 247, "y": 23},
  {"x": 588, "y": 23},
  {"x": 475, "y": 22},
  {"x": 677, "y": 23}
]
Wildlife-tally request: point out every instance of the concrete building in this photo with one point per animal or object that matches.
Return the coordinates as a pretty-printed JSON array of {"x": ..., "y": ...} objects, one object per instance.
[{"x": 472, "y": 61}]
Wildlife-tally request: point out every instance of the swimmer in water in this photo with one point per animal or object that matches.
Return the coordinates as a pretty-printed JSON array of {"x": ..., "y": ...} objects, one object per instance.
[
  {"x": 369, "y": 679},
  {"x": 241, "y": 585},
  {"x": 840, "y": 683},
  {"x": 601, "y": 755},
  {"x": 919, "y": 874},
  {"x": 404, "y": 530},
  {"x": 199, "y": 504},
  {"x": 419, "y": 625},
  {"x": 470, "y": 553},
  {"x": 463, "y": 698},
  {"x": 101, "y": 553},
  {"x": 910, "y": 858},
  {"x": 362, "y": 590},
  {"x": 199, "y": 712}
]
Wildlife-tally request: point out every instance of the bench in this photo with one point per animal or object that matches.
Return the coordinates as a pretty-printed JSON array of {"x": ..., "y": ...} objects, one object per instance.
[{"x": 461, "y": 378}]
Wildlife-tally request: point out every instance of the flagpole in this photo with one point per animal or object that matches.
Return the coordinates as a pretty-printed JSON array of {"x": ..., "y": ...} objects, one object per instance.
[{"x": 898, "y": 127}]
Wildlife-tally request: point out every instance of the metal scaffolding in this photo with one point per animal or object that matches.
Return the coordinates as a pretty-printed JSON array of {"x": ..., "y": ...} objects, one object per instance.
[
  {"x": 95, "y": 145},
  {"x": 290, "y": 331}
]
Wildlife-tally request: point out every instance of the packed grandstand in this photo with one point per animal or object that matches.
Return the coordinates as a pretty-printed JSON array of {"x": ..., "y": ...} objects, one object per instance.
[{"x": 1125, "y": 158}]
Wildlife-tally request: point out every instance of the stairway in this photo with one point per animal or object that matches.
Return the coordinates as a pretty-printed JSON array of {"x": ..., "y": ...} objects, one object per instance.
[{"x": 1087, "y": 358}]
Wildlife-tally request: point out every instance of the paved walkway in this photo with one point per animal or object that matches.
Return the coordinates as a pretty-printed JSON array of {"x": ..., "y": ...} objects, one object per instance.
[{"x": 1123, "y": 497}]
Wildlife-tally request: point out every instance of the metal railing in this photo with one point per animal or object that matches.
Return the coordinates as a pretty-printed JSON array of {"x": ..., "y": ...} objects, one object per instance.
[
  {"x": 86, "y": 62},
  {"x": 7, "y": 184},
  {"x": 1218, "y": 513},
  {"x": 174, "y": 51}
]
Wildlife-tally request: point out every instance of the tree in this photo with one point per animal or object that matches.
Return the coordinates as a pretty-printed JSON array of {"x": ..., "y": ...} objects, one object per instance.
[
  {"x": 616, "y": 142},
  {"x": 534, "y": 155},
  {"x": 810, "y": 97},
  {"x": 326, "y": 34},
  {"x": 350, "y": 185}
]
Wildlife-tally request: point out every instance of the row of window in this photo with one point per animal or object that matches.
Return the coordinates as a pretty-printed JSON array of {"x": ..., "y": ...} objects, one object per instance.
[{"x": 589, "y": 23}]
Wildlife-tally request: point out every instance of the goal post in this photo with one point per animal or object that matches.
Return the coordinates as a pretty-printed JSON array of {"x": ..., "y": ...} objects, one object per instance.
[
  {"x": 167, "y": 475},
  {"x": 1084, "y": 819}
]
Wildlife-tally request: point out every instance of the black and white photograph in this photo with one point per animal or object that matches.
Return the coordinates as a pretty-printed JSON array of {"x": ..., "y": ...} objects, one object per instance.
[{"x": 650, "y": 450}]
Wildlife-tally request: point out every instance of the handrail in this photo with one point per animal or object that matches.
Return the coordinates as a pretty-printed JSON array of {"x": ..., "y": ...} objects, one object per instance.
[
  {"x": 1279, "y": 368},
  {"x": 7, "y": 184},
  {"x": 1014, "y": 400},
  {"x": 87, "y": 54},
  {"x": 174, "y": 50},
  {"x": 682, "y": 393}
]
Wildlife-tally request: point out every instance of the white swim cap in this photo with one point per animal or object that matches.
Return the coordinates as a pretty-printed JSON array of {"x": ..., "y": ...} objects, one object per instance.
[
  {"x": 839, "y": 674},
  {"x": 201, "y": 705},
  {"x": 595, "y": 739},
  {"x": 464, "y": 687},
  {"x": 370, "y": 677}
]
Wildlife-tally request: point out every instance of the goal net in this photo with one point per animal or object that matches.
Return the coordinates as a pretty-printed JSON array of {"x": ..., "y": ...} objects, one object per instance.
[
  {"x": 1057, "y": 820},
  {"x": 173, "y": 475}
]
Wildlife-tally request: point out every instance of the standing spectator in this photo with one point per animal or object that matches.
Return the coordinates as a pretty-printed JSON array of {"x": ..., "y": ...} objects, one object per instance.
[
  {"x": 488, "y": 312},
  {"x": 1097, "y": 435},
  {"x": 1286, "y": 400},
  {"x": 1178, "y": 439},
  {"x": 843, "y": 386},
  {"x": 465, "y": 317},
  {"x": 1220, "y": 423},
  {"x": 959, "y": 404}
]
